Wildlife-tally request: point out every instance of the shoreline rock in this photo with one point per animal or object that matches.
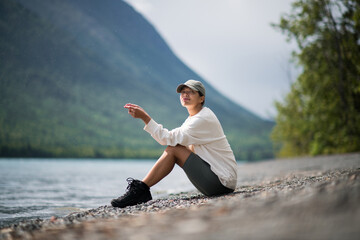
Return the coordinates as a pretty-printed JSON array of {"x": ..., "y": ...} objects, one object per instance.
[{"x": 296, "y": 203}]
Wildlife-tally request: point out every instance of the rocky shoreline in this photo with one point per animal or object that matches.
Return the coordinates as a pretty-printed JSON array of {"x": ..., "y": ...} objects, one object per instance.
[{"x": 308, "y": 198}]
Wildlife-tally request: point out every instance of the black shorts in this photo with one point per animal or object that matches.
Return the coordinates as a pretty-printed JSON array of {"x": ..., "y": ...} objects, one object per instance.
[{"x": 203, "y": 178}]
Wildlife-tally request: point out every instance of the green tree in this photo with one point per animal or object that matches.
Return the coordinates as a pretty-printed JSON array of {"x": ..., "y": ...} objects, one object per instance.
[{"x": 321, "y": 114}]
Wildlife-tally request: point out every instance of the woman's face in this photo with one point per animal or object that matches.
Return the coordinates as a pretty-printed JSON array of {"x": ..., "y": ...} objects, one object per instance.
[{"x": 190, "y": 98}]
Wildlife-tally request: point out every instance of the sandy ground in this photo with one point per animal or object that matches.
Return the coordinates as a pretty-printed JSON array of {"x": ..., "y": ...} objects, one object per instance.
[{"x": 303, "y": 198}]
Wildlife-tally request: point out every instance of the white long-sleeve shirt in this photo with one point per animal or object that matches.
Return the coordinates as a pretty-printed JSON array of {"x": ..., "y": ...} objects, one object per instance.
[{"x": 205, "y": 133}]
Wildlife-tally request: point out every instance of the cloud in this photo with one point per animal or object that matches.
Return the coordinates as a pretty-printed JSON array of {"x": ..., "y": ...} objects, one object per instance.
[
  {"x": 142, "y": 6},
  {"x": 230, "y": 43}
]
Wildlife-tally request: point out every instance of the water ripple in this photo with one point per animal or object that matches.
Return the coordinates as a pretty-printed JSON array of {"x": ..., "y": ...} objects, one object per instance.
[{"x": 32, "y": 188}]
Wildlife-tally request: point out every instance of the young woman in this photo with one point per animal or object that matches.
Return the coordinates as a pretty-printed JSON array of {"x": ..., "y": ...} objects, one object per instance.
[{"x": 199, "y": 146}]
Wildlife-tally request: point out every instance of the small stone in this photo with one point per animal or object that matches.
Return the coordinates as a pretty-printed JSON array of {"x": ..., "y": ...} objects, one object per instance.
[{"x": 53, "y": 219}]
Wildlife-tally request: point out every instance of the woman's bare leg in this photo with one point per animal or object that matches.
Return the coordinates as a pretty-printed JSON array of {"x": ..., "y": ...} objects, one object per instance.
[{"x": 165, "y": 164}]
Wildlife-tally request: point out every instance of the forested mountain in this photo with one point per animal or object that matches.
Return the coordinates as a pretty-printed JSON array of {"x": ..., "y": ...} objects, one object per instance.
[{"x": 68, "y": 66}]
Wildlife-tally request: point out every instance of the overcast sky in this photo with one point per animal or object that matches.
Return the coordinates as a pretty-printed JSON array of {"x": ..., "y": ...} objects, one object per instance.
[{"x": 231, "y": 44}]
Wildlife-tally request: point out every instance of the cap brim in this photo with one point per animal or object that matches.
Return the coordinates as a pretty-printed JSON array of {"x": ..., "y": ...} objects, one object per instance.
[{"x": 181, "y": 86}]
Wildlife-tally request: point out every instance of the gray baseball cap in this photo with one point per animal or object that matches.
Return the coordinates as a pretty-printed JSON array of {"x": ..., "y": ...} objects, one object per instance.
[{"x": 194, "y": 85}]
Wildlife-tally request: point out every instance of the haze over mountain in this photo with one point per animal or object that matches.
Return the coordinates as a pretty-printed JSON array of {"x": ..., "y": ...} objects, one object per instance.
[{"x": 68, "y": 66}]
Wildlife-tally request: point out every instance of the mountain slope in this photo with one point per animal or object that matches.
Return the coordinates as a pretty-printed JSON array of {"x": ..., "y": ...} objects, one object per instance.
[{"x": 68, "y": 67}]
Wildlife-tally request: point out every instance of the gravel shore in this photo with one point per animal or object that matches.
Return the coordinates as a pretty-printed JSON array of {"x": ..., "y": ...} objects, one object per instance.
[{"x": 304, "y": 198}]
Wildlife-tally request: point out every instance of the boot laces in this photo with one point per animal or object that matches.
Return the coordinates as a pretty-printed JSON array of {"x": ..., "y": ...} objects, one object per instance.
[{"x": 131, "y": 188}]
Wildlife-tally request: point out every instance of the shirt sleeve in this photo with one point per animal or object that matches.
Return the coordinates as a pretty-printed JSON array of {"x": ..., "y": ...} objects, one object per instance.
[{"x": 196, "y": 131}]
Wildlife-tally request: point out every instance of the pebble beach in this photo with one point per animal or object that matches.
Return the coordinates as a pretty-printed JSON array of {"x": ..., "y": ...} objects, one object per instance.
[{"x": 301, "y": 198}]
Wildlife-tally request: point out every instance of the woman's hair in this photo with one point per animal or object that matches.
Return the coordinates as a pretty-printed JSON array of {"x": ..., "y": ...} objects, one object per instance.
[{"x": 201, "y": 96}]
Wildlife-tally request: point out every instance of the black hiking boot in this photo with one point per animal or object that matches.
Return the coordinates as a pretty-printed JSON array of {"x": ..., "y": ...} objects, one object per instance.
[{"x": 137, "y": 192}]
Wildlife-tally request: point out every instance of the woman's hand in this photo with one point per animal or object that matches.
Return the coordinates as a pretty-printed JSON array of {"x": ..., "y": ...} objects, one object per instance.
[{"x": 137, "y": 112}]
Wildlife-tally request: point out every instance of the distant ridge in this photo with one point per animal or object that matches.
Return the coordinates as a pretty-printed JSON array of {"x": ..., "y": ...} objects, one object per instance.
[{"x": 68, "y": 67}]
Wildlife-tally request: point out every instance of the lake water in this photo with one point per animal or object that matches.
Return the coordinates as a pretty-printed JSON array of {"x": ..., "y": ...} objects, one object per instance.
[{"x": 41, "y": 188}]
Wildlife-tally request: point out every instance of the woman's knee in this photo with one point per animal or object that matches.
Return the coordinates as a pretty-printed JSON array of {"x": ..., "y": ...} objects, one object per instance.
[
  {"x": 179, "y": 152},
  {"x": 175, "y": 149},
  {"x": 170, "y": 150}
]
